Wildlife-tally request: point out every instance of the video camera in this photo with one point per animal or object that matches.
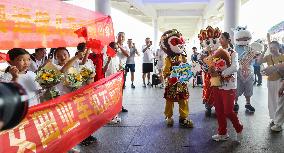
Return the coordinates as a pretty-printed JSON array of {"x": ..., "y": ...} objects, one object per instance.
[{"x": 13, "y": 105}]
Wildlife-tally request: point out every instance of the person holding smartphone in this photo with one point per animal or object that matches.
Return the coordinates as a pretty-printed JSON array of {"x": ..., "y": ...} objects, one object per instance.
[
  {"x": 148, "y": 56},
  {"x": 130, "y": 62}
]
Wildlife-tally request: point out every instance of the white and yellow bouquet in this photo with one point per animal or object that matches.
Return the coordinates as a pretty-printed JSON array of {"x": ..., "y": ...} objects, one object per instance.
[
  {"x": 73, "y": 79},
  {"x": 86, "y": 73},
  {"x": 48, "y": 77}
]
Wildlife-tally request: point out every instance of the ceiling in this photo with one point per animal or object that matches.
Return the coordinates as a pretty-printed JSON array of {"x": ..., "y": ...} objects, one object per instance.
[{"x": 186, "y": 15}]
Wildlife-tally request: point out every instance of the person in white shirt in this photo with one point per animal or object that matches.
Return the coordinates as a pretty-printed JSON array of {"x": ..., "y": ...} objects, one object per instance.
[
  {"x": 148, "y": 56},
  {"x": 83, "y": 61},
  {"x": 122, "y": 50},
  {"x": 130, "y": 63},
  {"x": 62, "y": 56},
  {"x": 38, "y": 59},
  {"x": 81, "y": 47},
  {"x": 160, "y": 56},
  {"x": 18, "y": 72},
  {"x": 112, "y": 66},
  {"x": 122, "y": 54},
  {"x": 225, "y": 95}
]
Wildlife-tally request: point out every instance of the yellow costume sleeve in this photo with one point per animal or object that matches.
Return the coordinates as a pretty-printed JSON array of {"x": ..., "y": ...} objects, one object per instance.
[
  {"x": 167, "y": 67},
  {"x": 184, "y": 59}
]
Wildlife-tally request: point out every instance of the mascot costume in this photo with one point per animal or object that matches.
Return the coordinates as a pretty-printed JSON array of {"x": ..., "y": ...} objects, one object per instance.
[
  {"x": 209, "y": 41},
  {"x": 246, "y": 53},
  {"x": 177, "y": 73}
]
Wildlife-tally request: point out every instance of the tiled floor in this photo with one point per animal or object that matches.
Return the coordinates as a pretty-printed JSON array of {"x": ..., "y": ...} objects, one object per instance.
[{"x": 143, "y": 128}]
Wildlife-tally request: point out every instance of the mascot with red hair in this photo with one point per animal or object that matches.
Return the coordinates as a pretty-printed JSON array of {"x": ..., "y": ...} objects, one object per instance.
[
  {"x": 209, "y": 41},
  {"x": 177, "y": 72}
]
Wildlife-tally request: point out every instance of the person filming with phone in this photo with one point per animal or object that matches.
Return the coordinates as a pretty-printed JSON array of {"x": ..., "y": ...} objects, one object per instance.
[{"x": 148, "y": 56}]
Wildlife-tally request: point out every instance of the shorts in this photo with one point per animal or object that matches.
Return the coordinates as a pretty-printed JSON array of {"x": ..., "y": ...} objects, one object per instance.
[
  {"x": 131, "y": 67},
  {"x": 147, "y": 67},
  {"x": 245, "y": 88}
]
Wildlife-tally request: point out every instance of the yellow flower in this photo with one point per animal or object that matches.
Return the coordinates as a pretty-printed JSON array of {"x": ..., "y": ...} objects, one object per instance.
[
  {"x": 78, "y": 77},
  {"x": 51, "y": 76},
  {"x": 84, "y": 73},
  {"x": 44, "y": 76}
]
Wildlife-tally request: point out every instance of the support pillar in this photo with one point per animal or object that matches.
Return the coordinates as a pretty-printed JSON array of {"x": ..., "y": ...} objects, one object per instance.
[
  {"x": 232, "y": 11},
  {"x": 103, "y": 6},
  {"x": 156, "y": 32}
]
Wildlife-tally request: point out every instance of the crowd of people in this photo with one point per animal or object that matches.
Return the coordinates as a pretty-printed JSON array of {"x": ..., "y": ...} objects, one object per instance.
[{"x": 24, "y": 66}]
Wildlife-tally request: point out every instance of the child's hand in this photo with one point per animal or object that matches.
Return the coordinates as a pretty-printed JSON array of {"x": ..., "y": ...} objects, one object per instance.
[
  {"x": 14, "y": 72},
  {"x": 88, "y": 51},
  {"x": 91, "y": 80},
  {"x": 80, "y": 55}
]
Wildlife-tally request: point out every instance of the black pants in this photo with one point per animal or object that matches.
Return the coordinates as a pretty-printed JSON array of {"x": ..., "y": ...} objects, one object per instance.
[{"x": 257, "y": 75}]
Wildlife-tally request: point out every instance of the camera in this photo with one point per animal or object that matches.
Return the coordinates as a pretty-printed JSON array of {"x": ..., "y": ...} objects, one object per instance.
[{"x": 13, "y": 105}]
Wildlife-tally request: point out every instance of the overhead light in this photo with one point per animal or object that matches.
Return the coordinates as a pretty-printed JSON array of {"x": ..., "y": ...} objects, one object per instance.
[{"x": 131, "y": 7}]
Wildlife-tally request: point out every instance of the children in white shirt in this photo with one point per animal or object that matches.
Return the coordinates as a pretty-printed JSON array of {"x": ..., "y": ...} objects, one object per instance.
[{"x": 18, "y": 72}]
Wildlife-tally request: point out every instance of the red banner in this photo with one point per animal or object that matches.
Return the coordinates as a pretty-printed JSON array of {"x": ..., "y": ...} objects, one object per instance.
[
  {"x": 49, "y": 23},
  {"x": 59, "y": 124}
]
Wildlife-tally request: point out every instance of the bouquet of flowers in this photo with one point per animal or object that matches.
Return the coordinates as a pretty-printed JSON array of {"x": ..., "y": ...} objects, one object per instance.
[
  {"x": 219, "y": 64},
  {"x": 74, "y": 79},
  {"x": 48, "y": 77},
  {"x": 220, "y": 61},
  {"x": 86, "y": 73}
]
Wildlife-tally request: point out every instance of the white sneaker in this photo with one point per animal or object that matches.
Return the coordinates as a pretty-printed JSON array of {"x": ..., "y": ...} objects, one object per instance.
[
  {"x": 276, "y": 128},
  {"x": 74, "y": 150},
  {"x": 169, "y": 121},
  {"x": 219, "y": 137},
  {"x": 239, "y": 137},
  {"x": 115, "y": 120}
]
